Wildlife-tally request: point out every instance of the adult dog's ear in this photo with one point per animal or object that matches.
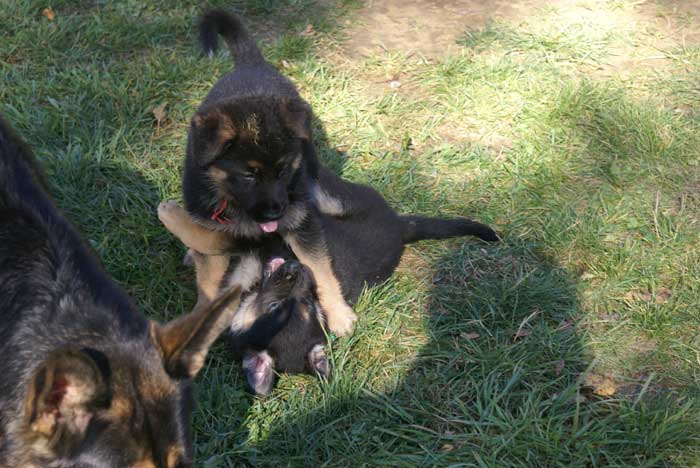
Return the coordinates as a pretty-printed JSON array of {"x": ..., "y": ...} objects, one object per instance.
[
  {"x": 296, "y": 116},
  {"x": 212, "y": 133},
  {"x": 64, "y": 394},
  {"x": 185, "y": 341}
]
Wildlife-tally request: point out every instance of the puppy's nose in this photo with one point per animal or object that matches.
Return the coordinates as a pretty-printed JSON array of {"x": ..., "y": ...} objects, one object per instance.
[{"x": 273, "y": 212}]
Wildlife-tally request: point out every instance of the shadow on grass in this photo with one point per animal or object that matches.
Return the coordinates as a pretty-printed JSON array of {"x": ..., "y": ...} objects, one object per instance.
[{"x": 500, "y": 379}]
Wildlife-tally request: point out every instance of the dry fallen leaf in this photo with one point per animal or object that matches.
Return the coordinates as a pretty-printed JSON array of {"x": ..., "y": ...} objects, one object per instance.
[
  {"x": 601, "y": 384},
  {"x": 522, "y": 332},
  {"x": 470, "y": 336},
  {"x": 284, "y": 64},
  {"x": 662, "y": 295},
  {"x": 559, "y": 366},
  {"x": 49, "y": 13},
  {"x": 309, "y": 31},
  {"x": 447, "y": 448},
  {"x": 159, "y": 113},
  {"x": 638, "y": 296}
]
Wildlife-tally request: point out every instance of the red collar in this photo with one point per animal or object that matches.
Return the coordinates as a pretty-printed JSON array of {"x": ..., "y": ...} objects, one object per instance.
[{"x": 220, "y": 208}]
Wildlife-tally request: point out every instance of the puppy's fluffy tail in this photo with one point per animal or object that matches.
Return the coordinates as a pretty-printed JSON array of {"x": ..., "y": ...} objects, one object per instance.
[
  {"x": 416, "y": 228},
  {"x": 241, "y": 44}
]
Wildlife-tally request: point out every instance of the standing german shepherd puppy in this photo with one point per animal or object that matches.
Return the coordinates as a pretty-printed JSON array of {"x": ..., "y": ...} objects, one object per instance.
[
  {"x": 251, "y": 169},
  {"x": 86, "y": 380}
]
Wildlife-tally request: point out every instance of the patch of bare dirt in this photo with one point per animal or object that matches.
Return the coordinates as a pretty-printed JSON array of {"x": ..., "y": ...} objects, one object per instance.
[
  {"x": 425, "y": 27},
  {"x": 431, "y": 28}
]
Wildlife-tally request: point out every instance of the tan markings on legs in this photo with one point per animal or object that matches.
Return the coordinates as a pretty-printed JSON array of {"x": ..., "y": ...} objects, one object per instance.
[
  {"x": 210, "y": 271},
  {"x": 211, "y": 279},
  {"x": 340, "y": 316},
  {"x": 194, "y": 236},
  {"x": 247, "y": 314}
]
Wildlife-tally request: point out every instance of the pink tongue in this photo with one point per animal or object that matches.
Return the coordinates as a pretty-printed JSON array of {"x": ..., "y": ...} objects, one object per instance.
[
  {"x": 270, "y": 226},
  {"x": 274, "y": 264}
]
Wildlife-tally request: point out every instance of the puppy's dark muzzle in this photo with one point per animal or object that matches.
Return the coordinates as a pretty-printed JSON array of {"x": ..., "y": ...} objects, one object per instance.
[{"x": 271, "y": 212}]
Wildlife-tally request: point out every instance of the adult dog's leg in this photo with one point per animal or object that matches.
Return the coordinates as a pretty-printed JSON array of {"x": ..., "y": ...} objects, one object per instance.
[
  {"x": 178, "y": 221},
  {"x": 341, "y": 318}
]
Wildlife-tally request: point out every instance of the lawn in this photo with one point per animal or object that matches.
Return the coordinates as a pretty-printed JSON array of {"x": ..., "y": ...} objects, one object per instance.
[{"x": 573, "y": 127}]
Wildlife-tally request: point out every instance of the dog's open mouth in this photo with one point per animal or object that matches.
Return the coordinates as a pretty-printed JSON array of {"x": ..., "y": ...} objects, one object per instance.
[
  {"x": 270, "y": 226},
  {"x": 273, "y": 265}
]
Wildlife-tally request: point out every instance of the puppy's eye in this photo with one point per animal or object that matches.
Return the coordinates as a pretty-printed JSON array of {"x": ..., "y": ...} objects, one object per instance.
[
  {"x": 227, "y": 146},
  {"x": 274, "y": 307}
]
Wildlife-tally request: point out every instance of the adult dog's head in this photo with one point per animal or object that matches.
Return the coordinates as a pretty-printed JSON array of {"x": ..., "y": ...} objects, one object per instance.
[
  {"x": 286, "y": 334},
  {"x": 125, "y": 405},
  {"x": 247, "y": 164}
]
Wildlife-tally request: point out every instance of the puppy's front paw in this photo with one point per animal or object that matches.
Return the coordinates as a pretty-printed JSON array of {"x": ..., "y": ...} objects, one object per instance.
[
  {"x": 171, "y": 214},
  {"x": 342, "y": 320}
]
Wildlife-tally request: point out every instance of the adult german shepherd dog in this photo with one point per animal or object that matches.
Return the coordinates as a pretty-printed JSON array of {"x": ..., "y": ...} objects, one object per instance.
[
  {"x": 251, "y": 171},
  {"x": 87, "y": 381}
]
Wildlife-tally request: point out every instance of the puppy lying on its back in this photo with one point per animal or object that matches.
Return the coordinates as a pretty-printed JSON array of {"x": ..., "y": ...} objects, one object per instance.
[
  {"x": 365, "y": 246},
  {"x": 251, "y": 171},
  {"x": 279, "y": 324},
  {"x": 87, "y": 381}
]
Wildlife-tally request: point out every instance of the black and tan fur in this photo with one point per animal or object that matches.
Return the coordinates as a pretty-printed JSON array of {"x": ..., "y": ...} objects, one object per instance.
[
  {"x": 87, "y": 380},
  {"x": 251, "y": 171},
  {"x": 280, "y": 325},
  {"x": 365, "y": 245}
]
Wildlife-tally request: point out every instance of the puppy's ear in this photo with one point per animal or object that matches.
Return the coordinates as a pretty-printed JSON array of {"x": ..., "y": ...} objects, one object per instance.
[
  {"x": 259, "y": 372},
  {"x": 318, "y": 362},
  {"x": 296, "y": 116},
  {"x": 212, "y": 133},
  {"x": 185, "y": 341},
  {"x": 66, "y": 391}
]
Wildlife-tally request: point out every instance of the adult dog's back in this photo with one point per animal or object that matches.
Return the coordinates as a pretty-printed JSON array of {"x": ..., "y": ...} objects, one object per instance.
[{"x": 87, "y": 381}]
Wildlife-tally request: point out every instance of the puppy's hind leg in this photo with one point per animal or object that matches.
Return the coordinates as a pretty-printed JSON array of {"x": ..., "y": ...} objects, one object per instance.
[
  {"x": 178, "y": 221},
  {"x": 210, "y": 271}
]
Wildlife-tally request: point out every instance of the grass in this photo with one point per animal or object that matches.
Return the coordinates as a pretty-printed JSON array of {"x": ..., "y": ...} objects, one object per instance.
[{"x": 471, "y": 354}]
